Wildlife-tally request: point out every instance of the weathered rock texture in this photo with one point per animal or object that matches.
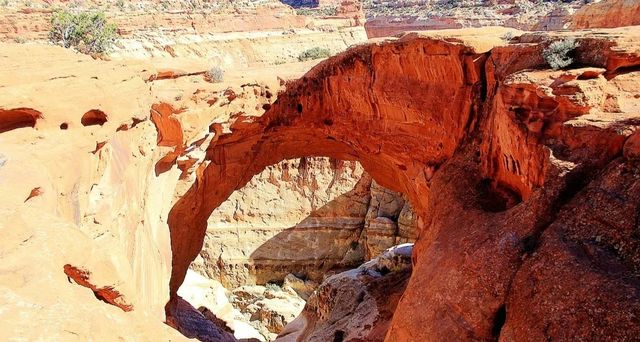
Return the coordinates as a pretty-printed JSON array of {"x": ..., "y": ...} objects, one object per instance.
[
  {"x": 493, "y": 151},
  {"x": 328, "y": 208},
  {"x": 229, "y": 34},
  {"x": 608, "y": 13},
  {"x": 83, "y": 217},
  {"x": 355, "y": 305},
  {"x": 388, "y": 18}
]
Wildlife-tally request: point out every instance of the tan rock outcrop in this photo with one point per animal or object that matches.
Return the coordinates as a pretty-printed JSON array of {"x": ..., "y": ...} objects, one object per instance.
[
  {"x": 91, "y": 240},
  {"x": 227, "y": 34},
  {"x": 354, "y": 305},
  {"x": 327, "y": 207}
]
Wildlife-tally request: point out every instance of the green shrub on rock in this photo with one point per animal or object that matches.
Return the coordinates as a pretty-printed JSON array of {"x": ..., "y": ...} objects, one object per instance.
[
  {"x": 88, "y": 32},
  {"x": 558, "y": 53},
  {"x": 314, "y": 53}
]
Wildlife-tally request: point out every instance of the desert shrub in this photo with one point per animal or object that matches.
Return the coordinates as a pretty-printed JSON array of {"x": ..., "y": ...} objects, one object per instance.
[
  {"x": 558, "y": 53},
  {"x": 314, "y": 53},
  {"x": 272, "y": 287},
  {"x": 215, "y": 74},
  {"x": 508, "y": 36},
  {"x": 88, "y": 32},
  {"x": 322, "y": 11}
]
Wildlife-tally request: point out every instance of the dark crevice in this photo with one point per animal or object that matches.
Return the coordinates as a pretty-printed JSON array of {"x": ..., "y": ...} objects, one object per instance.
[
  {"x": 496, "y": 197},
  {"x": 338, "y": 336},
  {"x": 530, "y": 243},
  {"x": 498, "y": 321}
]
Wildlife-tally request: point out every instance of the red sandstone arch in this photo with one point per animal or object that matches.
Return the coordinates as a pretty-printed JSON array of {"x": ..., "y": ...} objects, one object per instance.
[
  {"x": 375, "y": 104},
  {"x": 18, "y": 118},
  {"x": 416, "y": 106}
]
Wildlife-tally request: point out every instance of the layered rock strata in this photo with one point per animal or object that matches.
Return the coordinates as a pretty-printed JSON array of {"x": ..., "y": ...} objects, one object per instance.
[
  {"x": 199, "y": 35},
  {"x": 329, "y": 208},
  {"x": 610, "y": 13}
]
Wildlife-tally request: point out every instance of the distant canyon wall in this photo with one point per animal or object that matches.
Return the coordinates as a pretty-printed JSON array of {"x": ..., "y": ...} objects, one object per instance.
[
  {"x": 232, "y": 37},
  {"x": 308, "y": 216}
]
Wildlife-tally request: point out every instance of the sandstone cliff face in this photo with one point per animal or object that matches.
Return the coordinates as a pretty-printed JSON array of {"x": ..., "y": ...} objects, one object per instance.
[
  {"x": 227, "y": 34},
  {"x": 328, "y": 208},
  {"x": 354, "y": 305},
  {"x": 491, "y": 149},
  {"x": 610, "y": 13},
  {"x": 83, "y": 215}
]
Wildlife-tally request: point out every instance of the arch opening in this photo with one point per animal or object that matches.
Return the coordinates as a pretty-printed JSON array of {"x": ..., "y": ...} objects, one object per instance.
[{"x": 276, "y": 240}]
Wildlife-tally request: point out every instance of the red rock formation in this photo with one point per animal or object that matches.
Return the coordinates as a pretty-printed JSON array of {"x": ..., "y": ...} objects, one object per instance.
[
  {"x": 490, "y": 157},
  {"x": 169, "y": 134},
  {"x": 307, "y": 120},
  {"x": 94, "y": 117},
  {"x": 608, "y": 13},
  {"x": 107, "y": 294},
  {"x": 18, "y": 118}
]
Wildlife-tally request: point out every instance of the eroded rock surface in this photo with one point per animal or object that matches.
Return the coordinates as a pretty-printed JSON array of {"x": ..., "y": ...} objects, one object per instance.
[
  {"x": 490, "y": 147},
  {"x": 329, "y": 208},
  {"x": 357, "y": 304},
  {"x": 609, "y": 13}
]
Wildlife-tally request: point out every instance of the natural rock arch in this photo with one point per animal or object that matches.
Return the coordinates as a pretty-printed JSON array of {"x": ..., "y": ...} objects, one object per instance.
[
  {"x": 352, "y": 108},
  {"x": 446, "y": 126}
]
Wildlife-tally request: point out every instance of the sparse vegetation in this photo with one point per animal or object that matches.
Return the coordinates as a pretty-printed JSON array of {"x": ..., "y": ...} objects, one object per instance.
[
  {"x": 508, "y": 36},
  {"x": 215, "y": 74},
  {"x": 354, "y": 245},
  {"x": 314, "y": 53},
  {"x": 558, "y": 53},
  {"x": 88, "y": 32},
  {"x": 272, "y": 287},
  {"x": 322, "y": 11}
]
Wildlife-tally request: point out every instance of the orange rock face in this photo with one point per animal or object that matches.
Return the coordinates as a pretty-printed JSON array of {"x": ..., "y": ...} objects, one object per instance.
[
  {"x": 609, "y": 13},
  {"x": 499, "y": 157}
]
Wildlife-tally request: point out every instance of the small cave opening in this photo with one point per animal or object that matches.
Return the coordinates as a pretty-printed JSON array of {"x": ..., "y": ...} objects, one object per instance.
[
  {"x": 274, "y": 243},
  {"x": 499, "y": 320},
  {"x": 94, "y": 117},
  {"x": 11, "y": 119},
  {"x": 497, "y": 197},
  {"x": 338, "y": 336}
]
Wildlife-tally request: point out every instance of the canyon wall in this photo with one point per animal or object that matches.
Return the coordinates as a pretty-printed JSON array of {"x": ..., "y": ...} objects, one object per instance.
[
  {"x": 611, "y": 13},
  {"x": 330, "y": 209},
  {"x": 83, "y": 215},
  {"x": 388, "y": 18},
  {"x": 494, "y": 151},
  {"x": 226, "y": 34}
]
